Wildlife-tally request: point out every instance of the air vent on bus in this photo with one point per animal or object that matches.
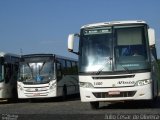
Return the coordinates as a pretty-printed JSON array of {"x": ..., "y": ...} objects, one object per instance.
[
  {"x": 107, "y": 95},
  {"x": 113, "y": 77}
]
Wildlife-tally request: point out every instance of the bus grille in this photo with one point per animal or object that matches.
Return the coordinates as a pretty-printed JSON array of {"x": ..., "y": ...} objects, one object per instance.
[{"x": 106, "y": 95}]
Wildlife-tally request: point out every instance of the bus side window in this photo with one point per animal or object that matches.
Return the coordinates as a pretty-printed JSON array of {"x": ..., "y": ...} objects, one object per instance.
[
  {"x": 59, "y": 71},
  {"x": 74, "y": 68},
  {"x": 1, "y": 74},
  {"x": 63, "y": 65},
  {"x": 69, "y": 67},
  {"x": 15, "y": 72},
  {"x": 8, "y": 72}
]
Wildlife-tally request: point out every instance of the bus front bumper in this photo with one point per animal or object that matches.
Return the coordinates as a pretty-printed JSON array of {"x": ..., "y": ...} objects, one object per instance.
[{"x": 116, "y": 94}]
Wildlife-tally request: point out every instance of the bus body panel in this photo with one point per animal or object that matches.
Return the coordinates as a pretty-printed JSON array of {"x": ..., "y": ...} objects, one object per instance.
[
  {"x": 116, "y": 89},
  {"x": 71, "y": 81},
  {"x": 5, "y": 90},
  {"x": 142, "y": 93},
  {"x": 8, "y": 75},
  {"x": 108, "y": 81}
]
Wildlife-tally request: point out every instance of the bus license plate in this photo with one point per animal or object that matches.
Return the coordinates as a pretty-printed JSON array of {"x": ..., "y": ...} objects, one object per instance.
[
  {"x": 113, "y": 92},
  {"x": 36, "y": 94}
]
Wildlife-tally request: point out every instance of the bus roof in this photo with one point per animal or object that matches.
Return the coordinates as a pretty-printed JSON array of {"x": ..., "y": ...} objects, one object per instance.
[
  {"x": 46, "y": 55},
  {"x": 114, "y": 23},
  {"x": 3, "y": 54}
]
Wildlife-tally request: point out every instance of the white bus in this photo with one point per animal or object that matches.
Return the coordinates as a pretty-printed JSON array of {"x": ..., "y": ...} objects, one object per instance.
[
  {"x": 46, "y": 76},
  {"x": 8, "y": 76},
  {"x": 117, "y": 62}
]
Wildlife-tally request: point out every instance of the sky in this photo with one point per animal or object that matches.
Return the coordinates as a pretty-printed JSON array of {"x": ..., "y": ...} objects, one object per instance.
[{"x": 43, "y": 26}]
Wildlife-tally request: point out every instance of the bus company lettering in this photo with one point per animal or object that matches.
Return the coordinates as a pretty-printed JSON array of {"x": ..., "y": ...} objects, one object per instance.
[{"x": 126, "y": 82}]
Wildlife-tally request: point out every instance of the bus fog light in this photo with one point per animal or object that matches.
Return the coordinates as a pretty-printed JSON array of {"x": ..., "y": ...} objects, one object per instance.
[
  {"x": 86, "y": 85},
  {"x": 143, "y": 82},
  {"x": 141, "y": 94}
]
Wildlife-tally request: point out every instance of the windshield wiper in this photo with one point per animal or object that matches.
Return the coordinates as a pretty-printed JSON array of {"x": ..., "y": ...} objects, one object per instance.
[
  {"x": 41, "y": 67},
  {"x": 30, "y": 69},
  {"x": 108, "y": 61}
]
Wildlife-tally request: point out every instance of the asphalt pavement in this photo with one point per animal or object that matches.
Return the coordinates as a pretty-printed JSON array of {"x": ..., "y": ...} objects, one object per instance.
[{"x": 73, "y": 109}]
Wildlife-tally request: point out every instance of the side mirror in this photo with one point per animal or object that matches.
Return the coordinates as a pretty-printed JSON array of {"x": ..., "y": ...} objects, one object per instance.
[
  {"x": 71, "y": 42},
  {"x": 151, "y": 36},
  {"x": 71, "y": 38},
  {"x": 152, "y": 41}
]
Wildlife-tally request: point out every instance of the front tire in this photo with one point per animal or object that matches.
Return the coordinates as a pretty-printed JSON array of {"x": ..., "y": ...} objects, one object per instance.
[
  {"x": 155, "y": 91},
  {"x": 94, "y": 105}
]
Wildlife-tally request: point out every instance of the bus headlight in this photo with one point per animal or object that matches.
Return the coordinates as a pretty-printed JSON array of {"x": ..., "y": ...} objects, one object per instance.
[
  {"x": 143, "y": 82},
  {"x": 86, "y": 85},
  {"x": 20, "y": 87},
  {"x": 52, "y": 86}
]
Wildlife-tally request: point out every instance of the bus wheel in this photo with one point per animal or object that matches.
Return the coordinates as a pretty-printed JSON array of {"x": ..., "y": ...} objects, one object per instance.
[
  {"x": 155, "y": 98},
  {"x": 15, "y": 96},
  {"x": 155, "y": 94},
  {"x": 94, "y": 105},
  {"x": 9, "y": 100},
  {"x": 64, "y": 95}
]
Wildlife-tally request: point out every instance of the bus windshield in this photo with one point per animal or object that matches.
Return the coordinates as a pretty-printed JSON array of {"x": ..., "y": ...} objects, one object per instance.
[
  {"x": 36, "y": 72},
  {"x": 117, "y": 48},
  {"x": 96, "y": 49},
  {"x": 131, "y": 50}
]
